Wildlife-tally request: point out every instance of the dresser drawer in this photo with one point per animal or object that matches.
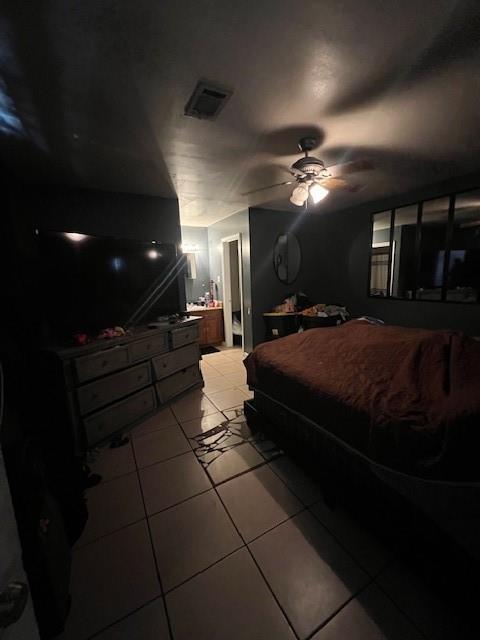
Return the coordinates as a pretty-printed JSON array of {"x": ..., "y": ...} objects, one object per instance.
[
  {"x": 148, "y": 347},
  {"x": 100, "y": 363},
  {"x": 175, "y": 360},
  {"x": 172, "y": 386},
  {"x": 179, "y": 337},
  {"x": 97, "y": 394},
  {"x": 106, "y": 422}
]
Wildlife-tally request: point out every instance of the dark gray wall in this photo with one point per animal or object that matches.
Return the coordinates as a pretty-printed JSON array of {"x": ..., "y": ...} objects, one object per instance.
[
  {"x": 335, "y": 248},
  {"x": 238, "y": 223},
  {"x": 123, "y": 215},
  {"x": 197, "y": 236},
  {"x": 315, "y": 270}
]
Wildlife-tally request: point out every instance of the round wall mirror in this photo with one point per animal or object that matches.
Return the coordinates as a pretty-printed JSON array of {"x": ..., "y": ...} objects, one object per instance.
[{"x": 287, "y": 258}]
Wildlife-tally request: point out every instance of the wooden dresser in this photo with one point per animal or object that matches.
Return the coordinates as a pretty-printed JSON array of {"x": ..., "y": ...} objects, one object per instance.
[
  {"x": 211, "y": 327},
  {"x": 110, "y": 385}
]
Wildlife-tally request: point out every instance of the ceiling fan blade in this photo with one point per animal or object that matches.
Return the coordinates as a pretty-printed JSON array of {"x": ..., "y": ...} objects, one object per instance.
[
  {"x": 271, "y": 186},
  {"x": 333, "y": 184},
  {"x": 355, "y": 166}
]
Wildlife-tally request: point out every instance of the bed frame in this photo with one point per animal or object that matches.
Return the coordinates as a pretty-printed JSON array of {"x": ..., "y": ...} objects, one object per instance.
[{"x": 422, "y": 518}]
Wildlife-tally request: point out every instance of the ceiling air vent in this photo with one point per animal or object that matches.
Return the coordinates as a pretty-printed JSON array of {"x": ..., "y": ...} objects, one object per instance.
[{"x": 207, "y": 101}]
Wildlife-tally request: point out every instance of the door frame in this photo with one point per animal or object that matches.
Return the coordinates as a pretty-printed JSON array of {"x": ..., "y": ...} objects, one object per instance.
[{"x": 227, "y": 287}]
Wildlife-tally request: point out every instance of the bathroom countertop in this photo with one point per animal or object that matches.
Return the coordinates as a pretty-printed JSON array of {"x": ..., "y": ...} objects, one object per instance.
[{"x": 197, "y": 307}]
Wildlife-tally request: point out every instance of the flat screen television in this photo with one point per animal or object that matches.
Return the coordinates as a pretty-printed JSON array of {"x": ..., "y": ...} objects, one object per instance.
[{"x": 92, "y": 282}]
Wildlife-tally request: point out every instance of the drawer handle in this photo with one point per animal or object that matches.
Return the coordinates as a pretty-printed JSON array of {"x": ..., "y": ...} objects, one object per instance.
[
  {"x": 94, "y": 396},
  {"x": 104, "y": 363},
  {"x": 148, "y": 346},
  {"x": 164, "y": 365},
  {"x": 140, "y": 376}
]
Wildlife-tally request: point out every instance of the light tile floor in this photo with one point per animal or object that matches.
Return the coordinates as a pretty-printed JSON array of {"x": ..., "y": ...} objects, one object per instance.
[{"x": 201, "y": 530}]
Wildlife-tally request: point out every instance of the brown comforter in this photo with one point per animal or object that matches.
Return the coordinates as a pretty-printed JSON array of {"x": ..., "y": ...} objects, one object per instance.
[{"x": 409, "y": 398}]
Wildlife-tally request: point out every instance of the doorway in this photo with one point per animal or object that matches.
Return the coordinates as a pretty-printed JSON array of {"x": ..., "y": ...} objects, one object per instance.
[{"x": 232, "y": 278}]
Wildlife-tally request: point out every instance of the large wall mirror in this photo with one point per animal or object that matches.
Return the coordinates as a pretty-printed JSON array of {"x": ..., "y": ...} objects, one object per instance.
[
  {"x": 428, "y": 251},
  {"x": 287, "y": 257}
]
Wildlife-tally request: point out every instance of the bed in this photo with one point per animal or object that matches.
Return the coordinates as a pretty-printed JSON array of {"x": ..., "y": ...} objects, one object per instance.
[
  {"x": 406, "y": 398},
  {"x": 382, "y": 410}
]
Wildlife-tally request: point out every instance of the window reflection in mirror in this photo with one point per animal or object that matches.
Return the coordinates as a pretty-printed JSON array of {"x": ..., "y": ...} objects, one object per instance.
[
  {"x": 379, "y": 280},
  {"x": 432, "y": 248},
  {"x": 463, "y": 279},
  {"x": 403, "y": 252}
]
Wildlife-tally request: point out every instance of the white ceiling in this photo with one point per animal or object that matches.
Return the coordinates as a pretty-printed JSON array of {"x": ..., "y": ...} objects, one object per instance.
[{"x": 93, "y": 94}]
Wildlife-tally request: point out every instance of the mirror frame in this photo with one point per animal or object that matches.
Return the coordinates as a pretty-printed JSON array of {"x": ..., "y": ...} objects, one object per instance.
[
  {"x": 288, "y": 281},
  {"x": 449, "y": 235}
]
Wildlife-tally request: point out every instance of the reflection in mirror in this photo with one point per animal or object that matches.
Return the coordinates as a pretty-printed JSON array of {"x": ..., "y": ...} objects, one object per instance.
[
  {"x": 287, "y": 257},
  {"x": 191, "y": 270},
  {"x": 380, "y": 254},
  {"x": 403, "y": 252},
  {"x": 432, "y": 248},
  {"x": 463, "y": 280}
]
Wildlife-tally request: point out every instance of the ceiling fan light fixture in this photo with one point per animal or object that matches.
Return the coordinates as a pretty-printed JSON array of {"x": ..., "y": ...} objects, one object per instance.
[
  {"x": 318, "y": 193},
  {"x": 299, "y": 195}
]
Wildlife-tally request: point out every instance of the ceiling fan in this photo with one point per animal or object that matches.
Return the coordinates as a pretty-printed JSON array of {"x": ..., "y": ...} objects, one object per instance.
[{"x": 313, "y": 179}]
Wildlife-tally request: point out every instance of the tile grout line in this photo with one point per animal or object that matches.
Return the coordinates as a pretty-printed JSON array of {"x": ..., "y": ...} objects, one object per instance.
[
  {"x": 257, "y": 565},
  {"x": 345, "y": 548},
  {"x": 200, "y": 493},
  {"x": 177, "y": 455},
  {"x": 260, "y": 535},
  {"x": 210, "y": 566},
  {"x": 372, "y": 577},
  {"x": 152, "y": 546},
  {"x": 130, "y": 613},
  {"x": 306, "y": 508},
  {"x": 105, "y": 535},
  {"x": 337, "y": 611},
  {"x": 244, "y": 545},
  {"x": 399, "y": 608},
  {"x": 147, "y": 517}
]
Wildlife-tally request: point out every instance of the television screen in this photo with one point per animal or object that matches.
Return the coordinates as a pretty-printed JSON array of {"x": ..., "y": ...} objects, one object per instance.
[{"x": 91, "y": 282}]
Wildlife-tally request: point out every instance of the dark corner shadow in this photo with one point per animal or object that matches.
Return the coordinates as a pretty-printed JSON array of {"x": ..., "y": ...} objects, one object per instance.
[
  {"x": 457, "y": 40},
  {"x": 263, "y": 177},
  {"x": 106, "y": 142},
  {"x": 121, "y": 144},
  {"x": 284, "y": 142},
  {"x": 22, "y": 160},
  {"x": 388, "y": 160},
  {"x": 368, "y": 598},
  {"x": 33, "y": 87}
]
